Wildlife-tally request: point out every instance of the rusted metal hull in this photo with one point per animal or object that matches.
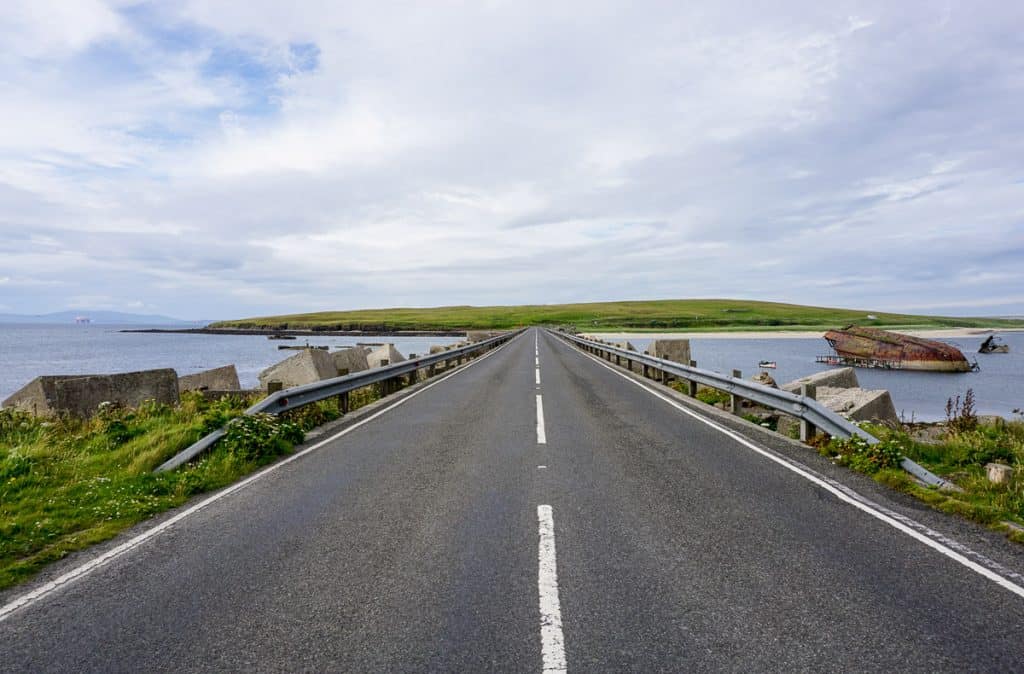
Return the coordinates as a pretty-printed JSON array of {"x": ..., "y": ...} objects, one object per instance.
[{"x": 871, "y": 347}]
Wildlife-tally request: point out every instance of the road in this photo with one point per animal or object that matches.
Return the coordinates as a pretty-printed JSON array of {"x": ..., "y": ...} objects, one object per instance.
[{"x": 536, "y": 511}]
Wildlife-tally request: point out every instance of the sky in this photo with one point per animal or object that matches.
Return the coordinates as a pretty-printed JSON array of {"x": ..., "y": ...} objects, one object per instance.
[{"x": 216, "y": 159}]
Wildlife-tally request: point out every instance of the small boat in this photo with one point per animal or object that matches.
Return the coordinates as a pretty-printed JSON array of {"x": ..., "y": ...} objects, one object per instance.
[
  {"x": 990, "y": 345},
  {"x": 768, "y": 364},
  {"x": 276, "y": 336}
]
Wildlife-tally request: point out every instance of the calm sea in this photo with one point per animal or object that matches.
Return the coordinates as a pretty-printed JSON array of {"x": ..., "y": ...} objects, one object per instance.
[{"x": 27, "y": 351}]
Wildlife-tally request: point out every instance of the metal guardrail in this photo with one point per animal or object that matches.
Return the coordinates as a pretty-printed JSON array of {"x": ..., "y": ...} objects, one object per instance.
[
  {"x": 802, "y": 407},
  {"x": 299, "y": 396}
]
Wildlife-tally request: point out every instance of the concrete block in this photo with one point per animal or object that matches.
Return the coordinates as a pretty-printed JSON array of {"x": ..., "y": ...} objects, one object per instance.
[
  {"x": 677, "y": 350},
  {"x": 305, "y": 367},
  {"x": 628, "y": 346},
  {"x": 859, "y": 404},
  {"x": 473, "y": 336},
  {"x": 998, "y": 473},
  {"x": 81, "y": 395},
  {"x": 218, "y": 379},
  {"x": 764, "y": 379},
  {"x": 437, "y": 349},
  {"x": 353, "y": 359},
  {"x": 843, "y": 377},
  {"x": 384, "y": 352}
]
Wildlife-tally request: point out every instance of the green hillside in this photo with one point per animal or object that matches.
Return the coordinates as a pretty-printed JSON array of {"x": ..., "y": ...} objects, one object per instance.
[{"x": 654, "y": 315}]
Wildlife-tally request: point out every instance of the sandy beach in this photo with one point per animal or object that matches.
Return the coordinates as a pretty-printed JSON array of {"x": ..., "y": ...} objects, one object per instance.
[{"x": 937, "y": 333}]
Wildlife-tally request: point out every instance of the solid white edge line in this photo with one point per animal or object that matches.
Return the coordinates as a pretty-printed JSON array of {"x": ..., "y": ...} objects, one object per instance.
[
  {"x": 837, "y": 489},
  {"x": 552, "y": 641},
  {"x": 81, "y": 571},
  {"x": 542, "y": 438}
]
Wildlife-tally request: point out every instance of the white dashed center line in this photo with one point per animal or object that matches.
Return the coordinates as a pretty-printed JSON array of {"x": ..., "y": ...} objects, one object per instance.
[{"x": 552, "y": 642}]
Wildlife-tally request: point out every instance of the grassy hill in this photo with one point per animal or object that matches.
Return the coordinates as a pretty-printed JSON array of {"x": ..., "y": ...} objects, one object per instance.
[{"x": 653, "y": 315}]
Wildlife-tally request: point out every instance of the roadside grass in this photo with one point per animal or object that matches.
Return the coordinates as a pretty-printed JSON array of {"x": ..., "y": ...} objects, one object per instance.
[
  {"x": 654, "y": 315},
  {"x": 67, "y": 483},
  {"x": 959, "y": 456}
]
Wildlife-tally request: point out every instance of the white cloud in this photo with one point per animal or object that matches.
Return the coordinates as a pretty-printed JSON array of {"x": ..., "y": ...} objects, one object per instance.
[{"x": 225, "y": 158}]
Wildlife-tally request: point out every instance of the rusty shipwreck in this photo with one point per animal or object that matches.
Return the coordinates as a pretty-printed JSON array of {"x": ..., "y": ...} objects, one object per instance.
[{"x": 871, "y": 347}]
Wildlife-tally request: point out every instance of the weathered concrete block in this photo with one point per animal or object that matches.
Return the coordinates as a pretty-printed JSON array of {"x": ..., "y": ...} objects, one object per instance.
[
  {"x": 628, "y": 346},
  {"x": 473, "y": 336},
  {"x": 437, "y": 349},
  {"x": 998, "y": 473},
  {"x": 351, "y": 360},
  {"x": 80, "y": 395},
  {"x": 859, "y": 404},
  {"x": 844, "y": 377},
  {"x": 677, "y": 350},
  {"x": 385, "y": 352},
  {"x": 305, "y": 367},
  {"x": 218, "y": 379}
]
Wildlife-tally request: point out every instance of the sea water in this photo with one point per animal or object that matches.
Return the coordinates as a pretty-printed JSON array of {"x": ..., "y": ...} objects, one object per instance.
[{"x": 27, "y": 351}]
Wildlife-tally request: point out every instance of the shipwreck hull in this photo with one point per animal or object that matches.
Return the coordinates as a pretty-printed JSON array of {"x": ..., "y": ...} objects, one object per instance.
[{"x": 871, "y": 347}]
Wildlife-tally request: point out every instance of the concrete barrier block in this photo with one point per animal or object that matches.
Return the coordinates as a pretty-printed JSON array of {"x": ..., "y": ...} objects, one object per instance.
[
  {"x": 859, "y": 404},
  {"x": 843, "y": 377},
  {"x": 305, "y": 367},
  {"x": 385, "y": 352},
  {"x": 473, "y": 336},
  {"x": 81, "y": 395},
  {"x": 677, "y": 350},
  {"x": 218, "y": 379},
  {"x": 352, "y": 359}
]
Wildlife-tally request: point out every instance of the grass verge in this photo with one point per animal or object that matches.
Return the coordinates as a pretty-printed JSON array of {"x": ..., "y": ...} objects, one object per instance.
[
  {"x": 68, "y": 483},
  {"x": 958, "y": 455}
]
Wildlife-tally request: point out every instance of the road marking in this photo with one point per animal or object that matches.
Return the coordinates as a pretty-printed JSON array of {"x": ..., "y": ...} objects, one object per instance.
[
  {"x": 901, "y": 523},
  {"x": 552, "y": 642},
  {"x": 536, "y": 361},
  {"x": 541, "y": 437},
  {"x": 81, "y": 571},
  {"x": 541, "y": 467},
  {"x": 537, "y": 373}
]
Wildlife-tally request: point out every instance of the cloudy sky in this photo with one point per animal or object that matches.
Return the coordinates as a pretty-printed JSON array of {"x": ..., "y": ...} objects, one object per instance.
[{"x": 216, "y": 159}]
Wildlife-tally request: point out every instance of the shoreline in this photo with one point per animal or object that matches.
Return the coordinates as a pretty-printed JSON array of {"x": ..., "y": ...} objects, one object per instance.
[{"x": 927, "y": 333}]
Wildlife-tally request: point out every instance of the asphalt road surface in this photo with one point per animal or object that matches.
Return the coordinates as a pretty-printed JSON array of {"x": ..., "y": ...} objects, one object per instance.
[{"x": 537, "y": 511}]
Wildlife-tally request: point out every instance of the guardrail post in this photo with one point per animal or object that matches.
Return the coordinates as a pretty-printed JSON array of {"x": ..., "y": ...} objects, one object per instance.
[
  {"x": 343, "y": 403},
  {"x": 807, "y": 429},
  {"x": 413, "y": 377},
  {"x": 431, "y": 370},
  {"x": 647, "y": 371},
  {"x": 735, "y": 402},
  {"x": 274, "y": 387},
  {"x": 692, "y": 384}
]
